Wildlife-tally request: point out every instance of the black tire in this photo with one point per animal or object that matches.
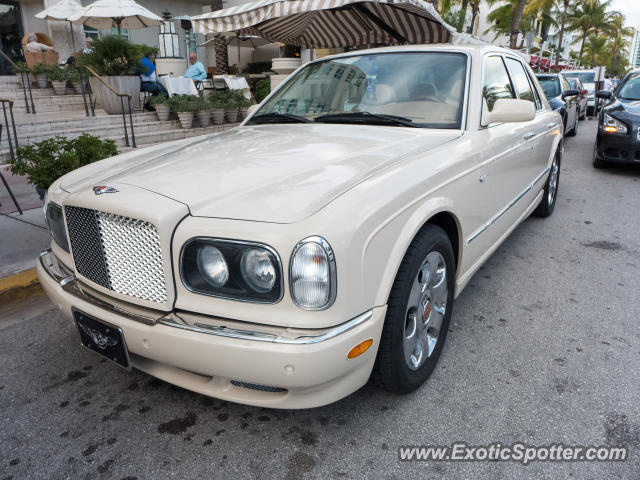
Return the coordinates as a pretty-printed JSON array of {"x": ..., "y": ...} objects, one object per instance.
[
  {"x": 547, "y": 204},
  {"x": 574, "y": 131},
  {"x": 391, "y": 371},
  {"x": 597, "y": 161}
]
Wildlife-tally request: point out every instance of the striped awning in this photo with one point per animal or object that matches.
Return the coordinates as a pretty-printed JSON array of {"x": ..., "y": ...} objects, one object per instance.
[{"x": 331, "y": 23}]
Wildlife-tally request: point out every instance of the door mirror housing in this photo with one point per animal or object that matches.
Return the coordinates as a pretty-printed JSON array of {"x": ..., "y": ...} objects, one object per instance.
[
  {"x": 606, "y": 94},
  {"x": 509, "y": 110},
  {"x": 570, "y": 93}
]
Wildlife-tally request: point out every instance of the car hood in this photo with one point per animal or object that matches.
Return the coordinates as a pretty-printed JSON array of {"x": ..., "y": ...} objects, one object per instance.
[
  {"x": 624, "y": 109},
  {"x": 279, "y": 173}
]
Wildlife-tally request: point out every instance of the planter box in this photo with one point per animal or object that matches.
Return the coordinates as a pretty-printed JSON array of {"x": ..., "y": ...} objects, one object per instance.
[
  {"x": 232, "y": 115},
  {"x": 242, "y": 113},
  {"x": 60, "y": 88},
  {"x": 218, "y": 116},
  {"x": 203, "y": 117},
  {"x": 110, "y": 101},
  {"x": 42, "y": 81},
  {"x": 186, "y": 119},
  {"x": 163, "y": 112}
]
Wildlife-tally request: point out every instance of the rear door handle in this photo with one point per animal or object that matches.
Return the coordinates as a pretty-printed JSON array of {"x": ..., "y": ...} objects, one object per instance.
[{"x": 530, "y": 135}]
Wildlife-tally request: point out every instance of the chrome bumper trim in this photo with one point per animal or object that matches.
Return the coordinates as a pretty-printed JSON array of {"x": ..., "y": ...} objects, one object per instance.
[
  {"x": 223, "y": 331},
  {"x": 69, "y": 284}
]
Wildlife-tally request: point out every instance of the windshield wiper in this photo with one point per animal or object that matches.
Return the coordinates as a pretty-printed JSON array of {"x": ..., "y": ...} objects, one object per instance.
[
  {"x": 275, "y": 117},
  {"x": 366, "y": 117}
]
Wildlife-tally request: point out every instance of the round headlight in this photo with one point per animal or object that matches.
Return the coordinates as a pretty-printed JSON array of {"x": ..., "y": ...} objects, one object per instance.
[
  {"x": 313, "y": 274},
  {"x": 212, "y": 266},
  {"x": 258, "y": 270}
]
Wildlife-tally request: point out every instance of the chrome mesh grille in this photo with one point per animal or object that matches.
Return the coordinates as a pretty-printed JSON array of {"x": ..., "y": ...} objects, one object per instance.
[{"x": 119, "y": 253}]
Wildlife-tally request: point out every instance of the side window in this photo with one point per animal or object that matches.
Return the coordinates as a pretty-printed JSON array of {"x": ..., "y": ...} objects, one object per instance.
[
  {"x": 520, "y": 79},
  {"x": 496, "y": 81},
  {"x": 565, "y": 84}
]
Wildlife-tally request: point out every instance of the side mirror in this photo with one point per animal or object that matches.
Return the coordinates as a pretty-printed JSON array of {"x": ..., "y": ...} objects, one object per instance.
[
  {"x": 508, "y": 110},
  {"x": 606, "y": 94},
  {"x": 570, "y": 93},
  {"x": 252, "y": 108}
]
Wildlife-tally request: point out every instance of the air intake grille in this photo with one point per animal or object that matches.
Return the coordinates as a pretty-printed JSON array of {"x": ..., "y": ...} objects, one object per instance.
[
  {"x": 261, "y": 388},
  {"x": 119, "y": 253}
]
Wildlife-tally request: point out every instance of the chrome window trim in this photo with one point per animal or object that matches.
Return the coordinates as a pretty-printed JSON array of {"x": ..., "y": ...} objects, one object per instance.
[
  {"x": 482, "y": 74},
  {"x": 333, "y": 274},
  {"x": 506, "y": 208},
  {"x": 236, "y": 242}
]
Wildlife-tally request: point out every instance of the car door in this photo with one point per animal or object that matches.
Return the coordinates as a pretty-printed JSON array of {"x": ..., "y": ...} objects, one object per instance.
[
  {"x": 505, "y": 152},
  {"x": 571, "y": 105}
]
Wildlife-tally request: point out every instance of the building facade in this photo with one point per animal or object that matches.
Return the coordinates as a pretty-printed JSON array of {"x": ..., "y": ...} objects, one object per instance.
[{"x": 634, "y": 49}]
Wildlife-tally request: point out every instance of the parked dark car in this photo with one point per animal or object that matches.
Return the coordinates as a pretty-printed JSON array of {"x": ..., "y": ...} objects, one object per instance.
[
  {"x": 618, "y": 138},
  {"x": 576, "y": 84},
  {"x": 562, "y": 98}
]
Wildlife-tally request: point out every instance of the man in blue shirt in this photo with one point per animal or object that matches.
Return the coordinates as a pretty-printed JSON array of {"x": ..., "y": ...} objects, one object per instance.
[
  {"x": 196, "y": 70},
  {"x": 149, "y": 78}
]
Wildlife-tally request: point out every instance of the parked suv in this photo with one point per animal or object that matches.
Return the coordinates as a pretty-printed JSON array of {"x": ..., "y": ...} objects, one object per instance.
[{"x": 587, "y": 77}]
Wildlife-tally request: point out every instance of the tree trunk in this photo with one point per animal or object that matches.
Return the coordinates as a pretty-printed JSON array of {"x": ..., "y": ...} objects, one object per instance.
[
  {"x": 584, "y": 39},
  {"x": 516, "y": 18},
  {"x": 220, "y": 46},
  {"x": 463, "y": 15},
  {"x": 475, "y": 8},
  {"x": 562, "y": 22}
]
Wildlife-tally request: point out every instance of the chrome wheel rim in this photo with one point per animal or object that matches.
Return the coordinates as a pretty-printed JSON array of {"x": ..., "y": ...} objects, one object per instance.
[
  {"x": 426, "y": 309},
  {"x": 553, "y": 182}
]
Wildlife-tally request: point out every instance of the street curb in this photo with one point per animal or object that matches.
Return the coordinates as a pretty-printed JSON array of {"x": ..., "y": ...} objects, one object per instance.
[{"x": 18, "y": 281}]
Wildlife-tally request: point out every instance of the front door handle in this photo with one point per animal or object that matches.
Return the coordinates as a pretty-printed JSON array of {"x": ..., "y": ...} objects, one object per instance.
[
  {"x": 530, "y": 135},
  {"x": 552, "y": 125}
]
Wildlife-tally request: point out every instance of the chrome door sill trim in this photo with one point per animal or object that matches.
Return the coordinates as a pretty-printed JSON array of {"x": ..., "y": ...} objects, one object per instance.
[
  {"x": 223, "y": 331},
  {"x": 504, "y": 210}
]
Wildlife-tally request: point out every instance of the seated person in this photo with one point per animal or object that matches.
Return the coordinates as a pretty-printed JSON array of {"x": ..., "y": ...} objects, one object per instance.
[
  {"x": 149, "y": 78},
  {"x": 33, "y": 46},
  {"x": 196, "y": 70}
]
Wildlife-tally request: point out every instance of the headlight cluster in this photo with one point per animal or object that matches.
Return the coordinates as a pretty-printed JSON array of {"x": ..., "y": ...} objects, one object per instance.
[
  {"x": 611, "y": 125},
  {"x": 253, "y": 272},
  {"x": 232, "y": 269},
  {"x": 55, "y": 220}
]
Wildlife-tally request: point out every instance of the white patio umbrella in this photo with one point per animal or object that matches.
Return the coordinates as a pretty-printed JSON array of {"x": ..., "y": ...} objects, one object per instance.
[
  {"x": 238, "y": 41},
  {"x": 104, "y": 14},
  {"x": 62, "y": 11},
  {"x": 331, "y": 23}
]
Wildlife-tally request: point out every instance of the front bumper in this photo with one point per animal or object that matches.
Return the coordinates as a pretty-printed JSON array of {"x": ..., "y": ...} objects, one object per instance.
[
  {"x": 282, "y": 368},
  {"x": 618, "y": 148}
]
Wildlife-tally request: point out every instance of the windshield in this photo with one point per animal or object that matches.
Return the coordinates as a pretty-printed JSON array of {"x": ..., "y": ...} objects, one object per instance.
[
  {"x": 631, "y": 89},
  {"x": 405, "y": 89},
  {"x": 585, "y": 77},
  {"x": 550, "y": 85}
]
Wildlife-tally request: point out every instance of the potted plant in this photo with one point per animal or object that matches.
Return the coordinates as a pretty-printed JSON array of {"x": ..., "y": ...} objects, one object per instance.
[
  {"x": 58, "y": 78},
  {"x": 40, "y": 71},
  {"x": 185, "y": 107},
  {"x": 116, "y": 61},
  {"x": 203, "y": 111},
  {"x": 231, "y": 107},
  {"x": 217, "y": 108},
  {"x": 45, "y": 161},
  {"x": 163, "y": 109},
  {"x": 243, "y": 105}
]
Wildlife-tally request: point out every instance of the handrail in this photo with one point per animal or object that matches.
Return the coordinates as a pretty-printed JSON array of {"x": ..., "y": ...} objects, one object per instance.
[
  {"x": 122, "y": 96},
  {"x": 25, "y": 84},
  {"x": 4, "y": 102}
]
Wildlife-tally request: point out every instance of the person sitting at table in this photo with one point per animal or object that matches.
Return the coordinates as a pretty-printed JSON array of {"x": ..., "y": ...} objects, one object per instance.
[
  {"x": 149, "y": 79},
  {"x": 33, "y": 46},
  {"x": 196, "y": 70}
]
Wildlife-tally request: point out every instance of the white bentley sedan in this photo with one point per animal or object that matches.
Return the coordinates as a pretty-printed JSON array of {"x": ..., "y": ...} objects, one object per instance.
[{"x": 285, "y": 262}]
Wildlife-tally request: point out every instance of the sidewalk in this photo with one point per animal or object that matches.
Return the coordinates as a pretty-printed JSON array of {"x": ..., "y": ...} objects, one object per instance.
[{"x": 22, "y": 238}]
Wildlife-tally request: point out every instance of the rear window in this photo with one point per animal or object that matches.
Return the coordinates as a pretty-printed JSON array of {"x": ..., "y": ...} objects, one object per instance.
[
  {"x": 585, "y": 77},
  {"x": 550, "y": 85}
]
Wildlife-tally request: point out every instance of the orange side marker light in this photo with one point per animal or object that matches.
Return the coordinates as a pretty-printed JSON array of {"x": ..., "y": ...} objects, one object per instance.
[{"x": 360, "y": 349}]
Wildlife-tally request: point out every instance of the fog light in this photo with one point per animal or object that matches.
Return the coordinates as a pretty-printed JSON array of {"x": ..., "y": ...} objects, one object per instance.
[{"x": 360, "y": 349}]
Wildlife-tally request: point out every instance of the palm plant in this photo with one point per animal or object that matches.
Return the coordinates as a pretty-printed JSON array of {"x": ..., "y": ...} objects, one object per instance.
[
  {"x": 618, "y": 42},
  {"x": 589, "y": 17}
]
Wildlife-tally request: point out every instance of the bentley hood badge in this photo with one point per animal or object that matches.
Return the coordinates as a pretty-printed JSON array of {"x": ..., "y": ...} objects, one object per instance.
[{"x": 100, "y": 189}]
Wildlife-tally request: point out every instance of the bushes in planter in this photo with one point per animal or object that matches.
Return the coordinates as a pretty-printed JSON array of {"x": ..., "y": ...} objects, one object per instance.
[
  {"x": 185, "y": 106},
  {"x": 263, "y": 89},
  {"x": 114, "y": 56},
  {"x": 58, "y": 78},
  {"x": 40, "y": 71},
  {"x": 45, "y": 161}
]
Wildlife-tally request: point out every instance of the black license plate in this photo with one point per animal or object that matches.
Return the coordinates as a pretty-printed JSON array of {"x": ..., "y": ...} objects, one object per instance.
[{"x": 102, "y": 338}]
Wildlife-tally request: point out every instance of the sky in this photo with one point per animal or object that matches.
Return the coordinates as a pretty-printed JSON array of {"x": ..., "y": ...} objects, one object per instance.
[{"x": 631, "y": 10}]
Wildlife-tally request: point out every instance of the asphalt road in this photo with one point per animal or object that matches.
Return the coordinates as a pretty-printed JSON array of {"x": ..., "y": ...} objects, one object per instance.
[{"x": 544, "y": 348}]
